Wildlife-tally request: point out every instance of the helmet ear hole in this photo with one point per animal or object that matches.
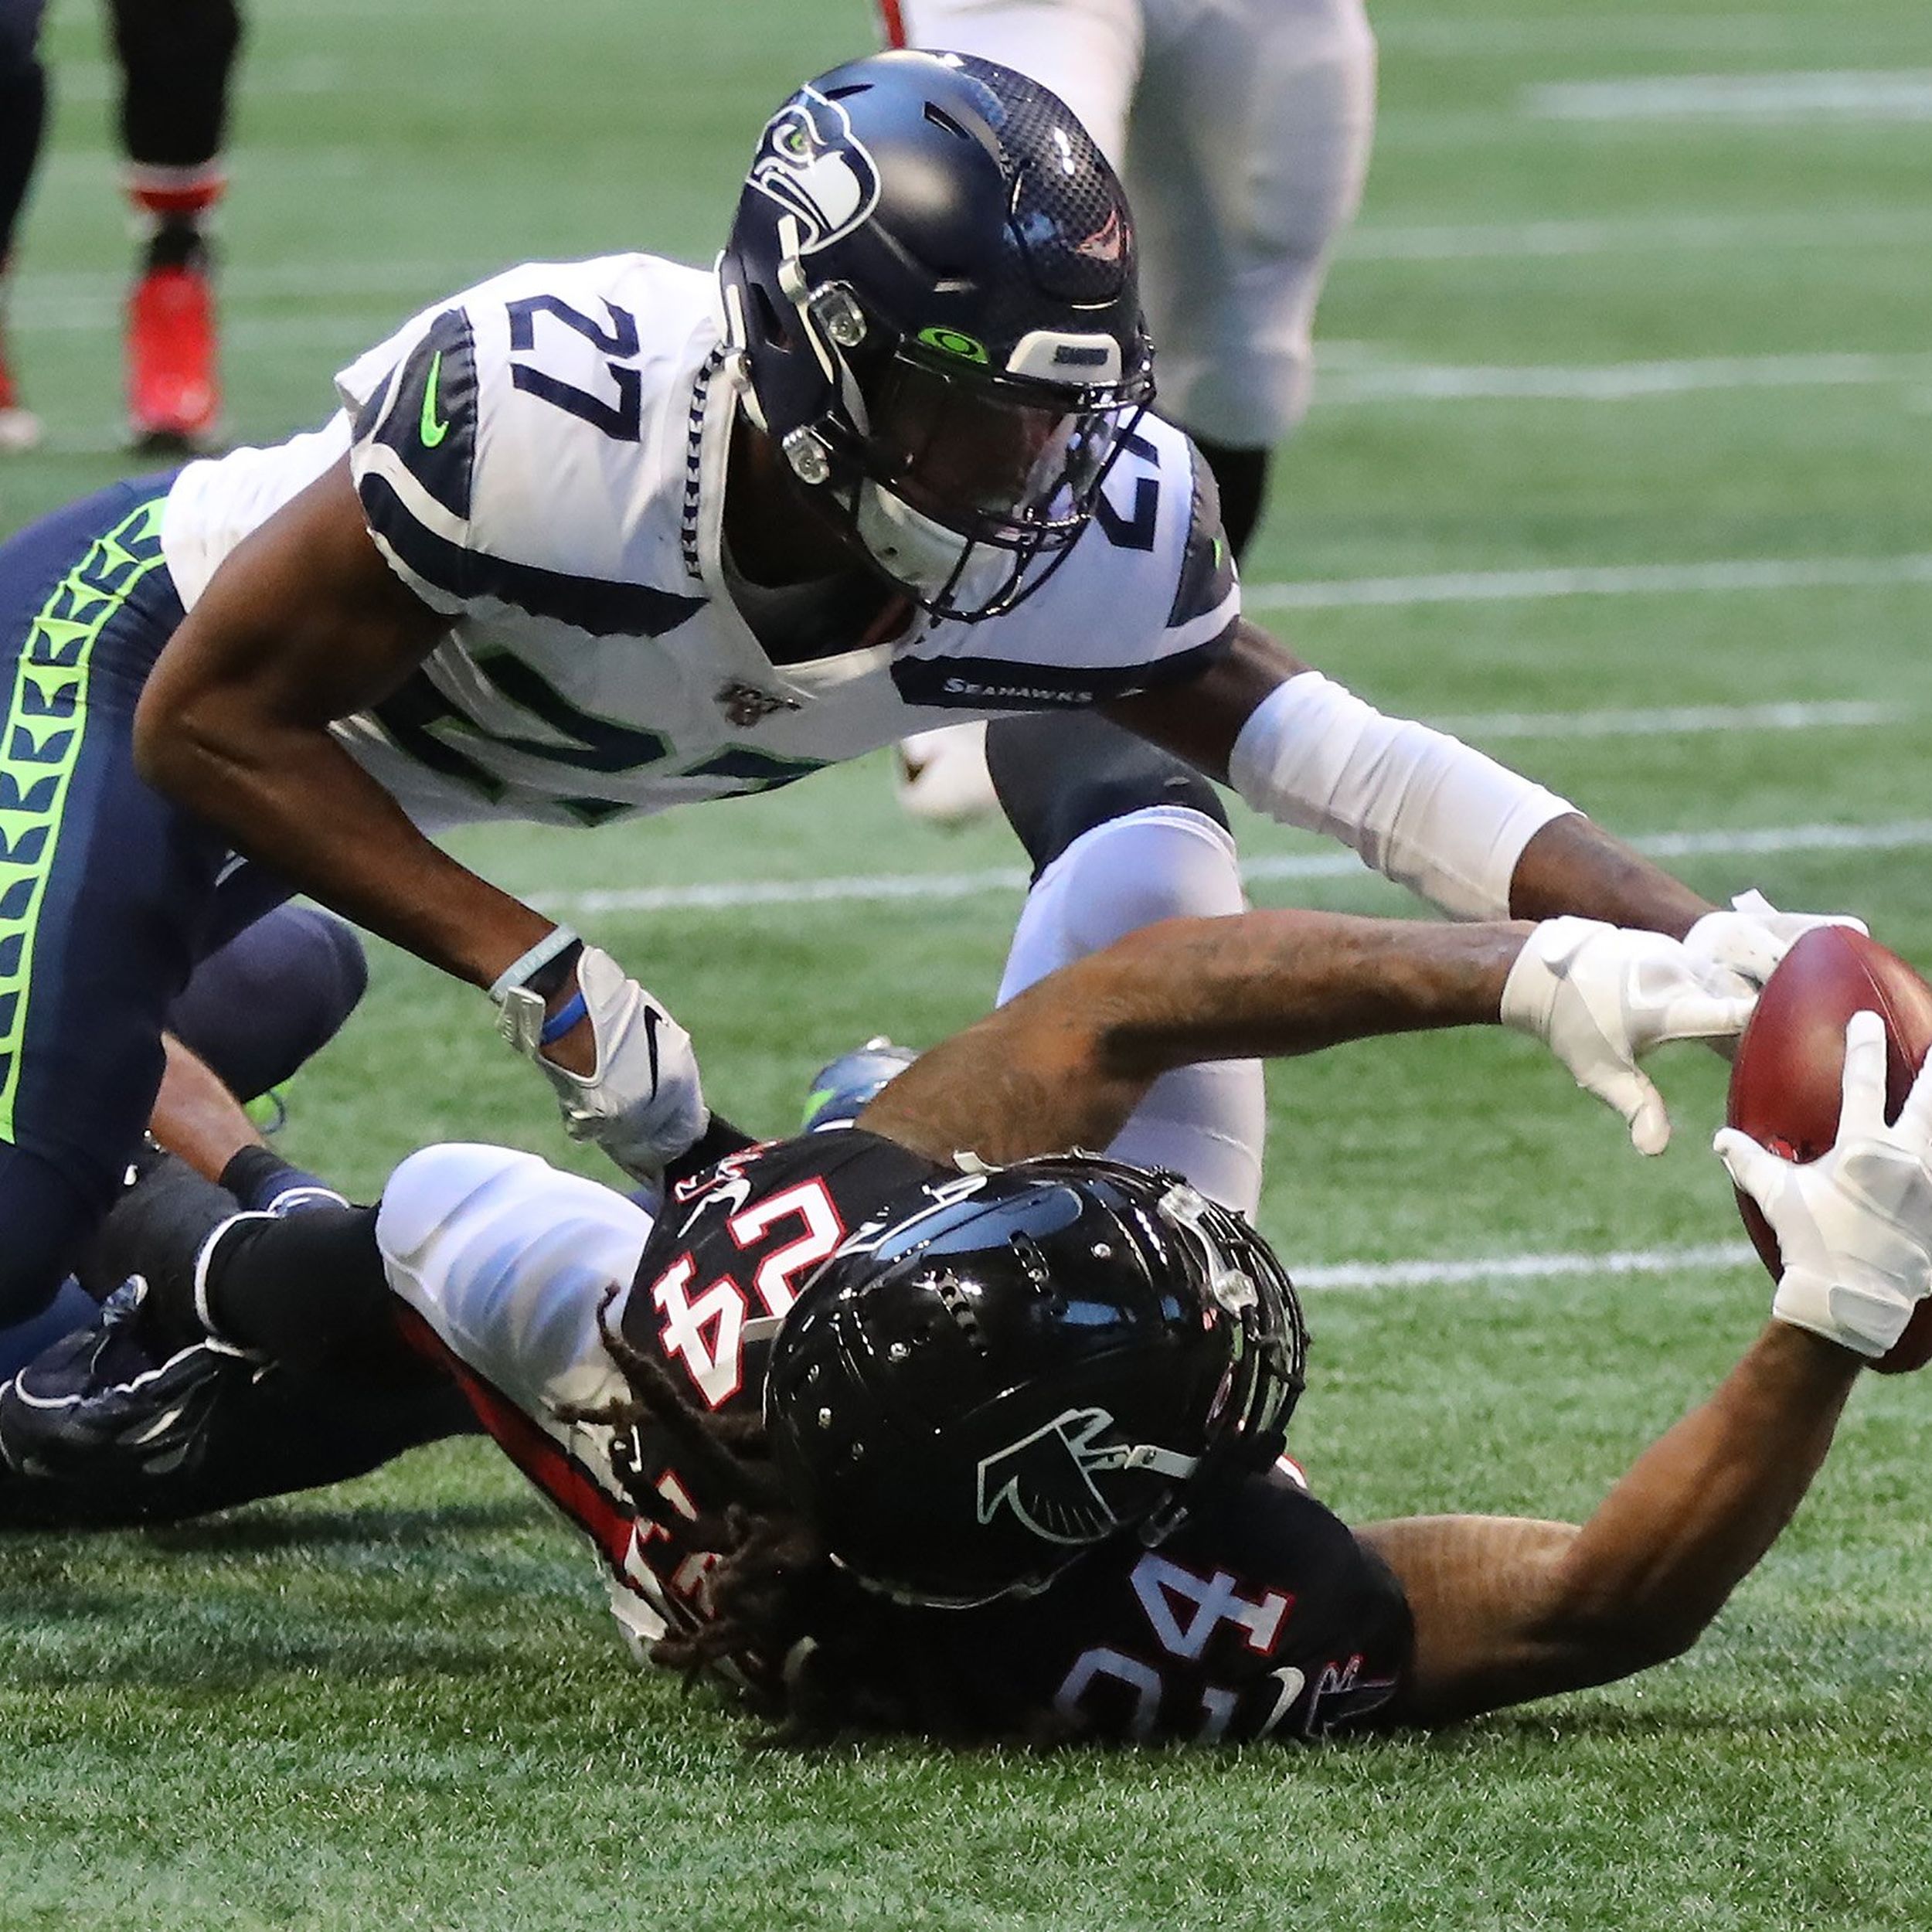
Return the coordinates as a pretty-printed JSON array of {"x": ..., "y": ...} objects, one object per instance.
[{"x": 1033, "y": 1262}]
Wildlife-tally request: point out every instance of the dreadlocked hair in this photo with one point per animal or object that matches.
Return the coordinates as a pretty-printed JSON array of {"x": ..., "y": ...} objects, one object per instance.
[{"x": 812, "y": 1650}]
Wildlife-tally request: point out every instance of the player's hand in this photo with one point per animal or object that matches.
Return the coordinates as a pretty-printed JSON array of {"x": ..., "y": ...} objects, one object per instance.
[
  {"x": 1855, "y": 1227},
  {"x": 1753, "y": 936},
  {"x": 642, "y": 1102},
  {"x": 1599, "y": 997}
]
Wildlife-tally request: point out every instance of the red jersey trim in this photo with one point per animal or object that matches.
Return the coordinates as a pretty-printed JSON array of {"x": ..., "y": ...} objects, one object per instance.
[{"x": 560, "y": 1476}]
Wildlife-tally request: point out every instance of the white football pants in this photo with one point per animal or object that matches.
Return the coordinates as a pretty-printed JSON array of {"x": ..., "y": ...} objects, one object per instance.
[
  {"x": 1206, "y": 1122},
  {"x": 1242, "y": 130}
]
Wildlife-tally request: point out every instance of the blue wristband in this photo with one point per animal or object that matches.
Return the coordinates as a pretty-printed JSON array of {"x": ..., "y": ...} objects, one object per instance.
[{"x": 560, "y": 1022}]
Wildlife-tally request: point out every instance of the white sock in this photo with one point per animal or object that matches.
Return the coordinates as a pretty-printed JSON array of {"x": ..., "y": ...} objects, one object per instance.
[{"x": 1205, "y": 1122}]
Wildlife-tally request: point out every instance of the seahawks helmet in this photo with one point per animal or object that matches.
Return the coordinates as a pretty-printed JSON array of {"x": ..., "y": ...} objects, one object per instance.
[
  {"x": 1019, "y": 1363},
  {"x": 931, "y": 300},
  {"x": 842, "y": 1088}
]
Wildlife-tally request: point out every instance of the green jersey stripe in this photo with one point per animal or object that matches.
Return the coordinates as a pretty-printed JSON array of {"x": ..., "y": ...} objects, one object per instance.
[{"x": 39, "y": 746}]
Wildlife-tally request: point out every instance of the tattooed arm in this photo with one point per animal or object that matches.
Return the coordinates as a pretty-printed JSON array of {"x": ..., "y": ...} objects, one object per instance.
[
  {"x": 1507, "y": 1610},
  {"x": 1064, "y": 1063}
]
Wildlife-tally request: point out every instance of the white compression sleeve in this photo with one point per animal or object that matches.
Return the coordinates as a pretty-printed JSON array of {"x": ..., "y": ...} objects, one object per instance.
[
  {"x": 1206, "y": 1122},
  {"x": 1419, "y": 805}
]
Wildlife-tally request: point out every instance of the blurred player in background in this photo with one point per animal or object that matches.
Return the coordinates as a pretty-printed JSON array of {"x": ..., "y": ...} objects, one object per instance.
[
  {"x": 176, "y": 58},
  {"x": 1241, "y": 129},
  {"x": 23, "y": 117}
]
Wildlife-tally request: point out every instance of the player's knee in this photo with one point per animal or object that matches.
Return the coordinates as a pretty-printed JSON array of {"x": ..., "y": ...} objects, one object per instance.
[
  {"x": 1059, "y": 777},
  {"x": 342, "y": 963},
  {"x": 1139, "y": 870},
  {"x": 427, "y": 1189},
  {"x": 273, "y": 997}
]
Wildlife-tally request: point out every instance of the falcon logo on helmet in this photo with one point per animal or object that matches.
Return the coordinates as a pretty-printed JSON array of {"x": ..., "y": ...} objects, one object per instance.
[
  {"x": 986, "y": 1386},
  {"x": 1046, "y": 1479},
  {"x": 809, "y": 162}
]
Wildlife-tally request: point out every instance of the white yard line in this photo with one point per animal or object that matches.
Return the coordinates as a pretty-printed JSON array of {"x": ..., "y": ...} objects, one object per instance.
[
  {"x": 1484, "y": 241},
  {"x": 1622, "y": 580},
  {"x": 60, "y": 292},
  {"x": 1523, "y": 1267},
  {"x": 731, "y": 895},
  {"x": 94, "y": 81},
  {"x": 1677, "y": 721},
  {"x": 1904, "y": 834},
  {"x": 1875, "y": 95},
  {"x": 737, "y": 895},
  {"x": 1622, "y": 30},
  {"x": 1610, "y": 381}
]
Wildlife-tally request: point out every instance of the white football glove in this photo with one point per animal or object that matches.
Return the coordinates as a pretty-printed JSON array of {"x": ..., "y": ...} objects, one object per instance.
[
  {"x": 644, "y": 1105},
  {"x": 1854, "y": 1227},
  {"x": 1599, "y": 996},
  {"x": 1753, "y": 936}
]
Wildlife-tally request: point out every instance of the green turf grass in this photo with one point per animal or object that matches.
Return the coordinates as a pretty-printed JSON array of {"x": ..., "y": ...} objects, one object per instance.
[{"x": 400, "y": 1704}]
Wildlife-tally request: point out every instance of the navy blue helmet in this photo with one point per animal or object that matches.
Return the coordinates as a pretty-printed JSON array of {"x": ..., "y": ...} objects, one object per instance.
[{"x": 930, "y": 289}]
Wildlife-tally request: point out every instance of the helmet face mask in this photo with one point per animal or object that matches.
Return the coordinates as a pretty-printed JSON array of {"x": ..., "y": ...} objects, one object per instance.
[
  {"x": 1010, "y": 1368},
  {"x": 930, "y": 291}
]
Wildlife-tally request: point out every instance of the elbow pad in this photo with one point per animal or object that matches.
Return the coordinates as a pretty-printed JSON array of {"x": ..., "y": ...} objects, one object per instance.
[{"x": 1418, "y": 805}]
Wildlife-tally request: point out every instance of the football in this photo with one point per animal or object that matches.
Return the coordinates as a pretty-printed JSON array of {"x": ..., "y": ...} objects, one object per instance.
[{"x": 1786, "y": 1081}]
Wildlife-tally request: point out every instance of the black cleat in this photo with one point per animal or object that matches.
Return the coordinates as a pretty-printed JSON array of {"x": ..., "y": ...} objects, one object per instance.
[{"x": 104, "y": 1430}]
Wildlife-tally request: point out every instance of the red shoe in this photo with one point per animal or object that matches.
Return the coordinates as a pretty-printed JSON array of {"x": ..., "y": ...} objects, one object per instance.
[
  {"x": 173, "y": 394},
  {"x": 20, "y": 428}
]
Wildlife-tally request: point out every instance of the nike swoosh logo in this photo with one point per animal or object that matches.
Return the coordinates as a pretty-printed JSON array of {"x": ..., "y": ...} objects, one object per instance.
[
  {"x": 651, "y": 1018},
  {"x": 431, "y": 430}
]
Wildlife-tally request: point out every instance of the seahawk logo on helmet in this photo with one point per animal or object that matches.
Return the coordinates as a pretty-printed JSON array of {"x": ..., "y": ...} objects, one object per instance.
[
  {"x": 809, "y": 162},
  {"x": 931, "y": 308}
]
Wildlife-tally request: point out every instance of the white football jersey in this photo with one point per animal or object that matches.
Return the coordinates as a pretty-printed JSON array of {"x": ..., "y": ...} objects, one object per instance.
[{"x": 543, "y": 458}]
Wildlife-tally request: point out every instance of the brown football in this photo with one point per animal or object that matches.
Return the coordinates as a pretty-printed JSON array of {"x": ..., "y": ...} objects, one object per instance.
[{"x": 1787, "y": 1079}]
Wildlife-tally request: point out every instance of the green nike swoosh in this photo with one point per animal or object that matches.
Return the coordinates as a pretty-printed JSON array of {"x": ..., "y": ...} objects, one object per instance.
[{"x": 431, "y": 430}]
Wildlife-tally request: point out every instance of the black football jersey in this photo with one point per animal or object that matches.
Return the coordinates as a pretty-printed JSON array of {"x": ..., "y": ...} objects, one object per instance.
[{"x": 1261, "y": 1615}]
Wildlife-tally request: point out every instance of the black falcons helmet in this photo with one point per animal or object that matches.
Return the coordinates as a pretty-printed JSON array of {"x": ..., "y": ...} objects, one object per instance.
[
  {"x": 1015, "y": 1365},
  {"x": 930, "y": 288}
]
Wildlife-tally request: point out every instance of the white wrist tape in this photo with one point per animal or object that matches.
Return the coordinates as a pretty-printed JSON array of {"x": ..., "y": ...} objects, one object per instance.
[
  {"x": 559, "y": 939},
  {"x": 1418, "y": 806}
]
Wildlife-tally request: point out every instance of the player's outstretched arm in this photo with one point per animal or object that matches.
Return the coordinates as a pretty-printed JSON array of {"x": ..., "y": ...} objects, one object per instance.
[
  {"x": 1506, "y": 1610},
  {"x": 1473, "y": 836},
  {"x": 1064, "y": 1063}
]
